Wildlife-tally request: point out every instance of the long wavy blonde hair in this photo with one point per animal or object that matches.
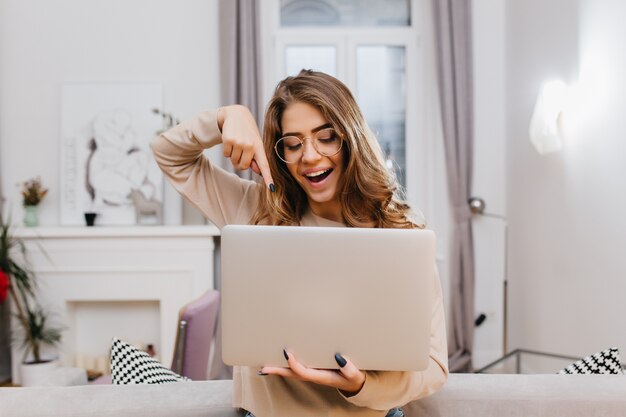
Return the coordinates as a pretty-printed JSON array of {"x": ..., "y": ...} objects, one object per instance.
[{"x": 368, "y": 191}]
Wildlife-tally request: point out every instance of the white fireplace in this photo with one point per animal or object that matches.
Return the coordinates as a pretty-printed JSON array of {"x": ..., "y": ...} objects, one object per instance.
[{"x": 128, "y": 282}]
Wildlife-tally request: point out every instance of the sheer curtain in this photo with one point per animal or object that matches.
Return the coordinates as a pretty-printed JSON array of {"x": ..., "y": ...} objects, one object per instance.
[{"x": 452, "y": 24}]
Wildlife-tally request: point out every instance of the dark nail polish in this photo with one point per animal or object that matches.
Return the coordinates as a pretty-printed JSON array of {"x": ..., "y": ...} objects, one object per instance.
[
  {"x": 286, "y": 355},
  {"x": 260, "y": 373},
  {"x": 272, "y": 188},
  {"x": 341, "y": 361}
]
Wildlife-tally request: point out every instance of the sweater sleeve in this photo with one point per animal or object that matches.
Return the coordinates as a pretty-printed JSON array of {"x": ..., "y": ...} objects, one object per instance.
[
  {"x": 221, "y": 196},
  {"x": 384, "y": 390}
]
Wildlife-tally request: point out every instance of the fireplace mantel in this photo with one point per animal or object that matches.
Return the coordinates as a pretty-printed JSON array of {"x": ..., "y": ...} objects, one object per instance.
[
  {"x": 90, "y": 276},
  {"x": 114, "y": 231}
]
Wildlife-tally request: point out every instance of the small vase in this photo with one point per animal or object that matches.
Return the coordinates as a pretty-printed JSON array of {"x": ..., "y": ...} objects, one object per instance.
[
  {"x": 90, "y": 218},
  {"x": 31, "y": 218}
]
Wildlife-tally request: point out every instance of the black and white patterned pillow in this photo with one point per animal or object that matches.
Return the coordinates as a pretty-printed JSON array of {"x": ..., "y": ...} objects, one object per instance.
[
  {"x": 130, "y": 365},
  {"x": 605, "y": 362}
]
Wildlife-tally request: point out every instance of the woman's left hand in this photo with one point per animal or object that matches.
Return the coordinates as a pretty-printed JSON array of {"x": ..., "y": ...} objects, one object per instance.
[{"x": 349, "y": 379}]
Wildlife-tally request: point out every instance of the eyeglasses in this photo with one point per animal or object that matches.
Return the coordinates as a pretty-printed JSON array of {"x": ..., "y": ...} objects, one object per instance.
[{"x": 326, "y": 142}]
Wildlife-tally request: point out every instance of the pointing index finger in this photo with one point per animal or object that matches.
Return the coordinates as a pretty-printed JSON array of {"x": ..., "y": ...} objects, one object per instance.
[{"x": 264, "y": 167}]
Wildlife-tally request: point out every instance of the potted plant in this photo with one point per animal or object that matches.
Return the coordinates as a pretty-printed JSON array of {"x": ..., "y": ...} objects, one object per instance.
[
  {"x": 32, "y": 193},
  {"x": 18, "y": 283}
]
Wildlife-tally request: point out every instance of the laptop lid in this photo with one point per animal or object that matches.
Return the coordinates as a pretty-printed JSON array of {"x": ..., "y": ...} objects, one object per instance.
[{"x": 362, "y": 292}]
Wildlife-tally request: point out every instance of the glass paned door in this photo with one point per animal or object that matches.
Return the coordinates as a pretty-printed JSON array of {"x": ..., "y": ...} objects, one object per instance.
[
  {"x": 371, "y": 46},
  {"x": 316, "y": 57},
  {"x": 381, "y": 93}
]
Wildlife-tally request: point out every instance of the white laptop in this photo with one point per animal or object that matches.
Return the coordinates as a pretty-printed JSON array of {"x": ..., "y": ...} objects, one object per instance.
[{"x": 317, "y": 291}]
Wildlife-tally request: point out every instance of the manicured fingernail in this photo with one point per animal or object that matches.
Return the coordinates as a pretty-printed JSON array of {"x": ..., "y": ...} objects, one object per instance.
[
  {"x": 261, "y": 373},
  {"x": 286, "y": 355},
  {"x": 272, "y": 188},
  {"x": 341, "y": 361}
]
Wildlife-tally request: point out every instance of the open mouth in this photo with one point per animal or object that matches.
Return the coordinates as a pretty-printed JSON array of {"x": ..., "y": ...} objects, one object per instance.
[{"x": 319, "y": 176}]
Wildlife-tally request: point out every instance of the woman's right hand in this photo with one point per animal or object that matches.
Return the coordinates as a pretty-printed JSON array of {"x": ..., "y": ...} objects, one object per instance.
[{"x": 242, "y": 141}]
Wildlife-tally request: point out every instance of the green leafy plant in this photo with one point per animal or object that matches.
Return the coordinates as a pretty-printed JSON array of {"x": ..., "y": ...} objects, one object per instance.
[
  {"x": 33, "y": 192},
  {"x": 18, "y": 282}
]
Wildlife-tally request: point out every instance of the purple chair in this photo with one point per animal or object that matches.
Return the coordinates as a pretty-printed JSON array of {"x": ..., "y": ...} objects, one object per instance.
[{"x": 196, "y": 326}]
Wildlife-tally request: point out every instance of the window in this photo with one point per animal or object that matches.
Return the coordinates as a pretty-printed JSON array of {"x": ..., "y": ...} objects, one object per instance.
[
  {"x": 381, "y": 93},
  {"x": 345, "y": 13},
  {"x": 370, "y": 45}
]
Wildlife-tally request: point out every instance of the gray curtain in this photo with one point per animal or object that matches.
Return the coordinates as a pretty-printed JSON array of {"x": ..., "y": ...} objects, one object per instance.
[
  {"x": 454, "y": 62},
  {"x": 240, "y": 59},
  {"x": 240, "y": 81}
]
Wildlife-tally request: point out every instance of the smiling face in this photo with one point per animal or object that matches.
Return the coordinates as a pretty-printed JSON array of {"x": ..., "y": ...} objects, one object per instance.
[{"x": 318, "y": 175}]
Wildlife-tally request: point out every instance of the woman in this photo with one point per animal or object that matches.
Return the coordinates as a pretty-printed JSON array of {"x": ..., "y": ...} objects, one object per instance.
[{"x": 321, "y": 166}]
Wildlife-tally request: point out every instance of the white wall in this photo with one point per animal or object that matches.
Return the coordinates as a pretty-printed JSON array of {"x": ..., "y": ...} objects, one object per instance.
[
  {"x": 489, "y": 174},
  {"x": 488, "y": 30},
  {"x": 567, "y": 231},
  {"x": 44, "y": 44}
]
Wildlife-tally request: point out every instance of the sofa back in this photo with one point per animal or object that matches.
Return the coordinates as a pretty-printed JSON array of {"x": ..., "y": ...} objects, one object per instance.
[{"x": 467, "y": 395}]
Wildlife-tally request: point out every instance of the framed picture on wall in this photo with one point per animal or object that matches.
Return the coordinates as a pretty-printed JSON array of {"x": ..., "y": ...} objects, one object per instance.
[{"x": 107, "y": 166}]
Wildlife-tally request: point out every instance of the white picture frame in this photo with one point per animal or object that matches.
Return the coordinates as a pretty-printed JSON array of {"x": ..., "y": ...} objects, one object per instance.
[{"x": 106, "y": 130}]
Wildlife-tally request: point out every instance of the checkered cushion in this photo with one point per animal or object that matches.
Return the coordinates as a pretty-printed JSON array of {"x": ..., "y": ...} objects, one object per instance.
[
  {"x": 605, "y": 362},
  {"x": 130, "y": 365}
]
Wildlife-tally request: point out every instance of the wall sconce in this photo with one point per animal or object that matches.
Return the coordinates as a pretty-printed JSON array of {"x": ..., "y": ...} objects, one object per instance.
[{"x": 546, "y": 130}]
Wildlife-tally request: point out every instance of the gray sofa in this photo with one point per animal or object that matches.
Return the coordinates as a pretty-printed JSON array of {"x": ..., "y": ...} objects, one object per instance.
[{"x": 467, "y": 395}]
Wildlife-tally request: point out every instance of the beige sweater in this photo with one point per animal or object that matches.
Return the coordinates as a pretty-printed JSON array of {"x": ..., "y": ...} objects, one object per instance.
[{"x": 224, "y": 198}]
